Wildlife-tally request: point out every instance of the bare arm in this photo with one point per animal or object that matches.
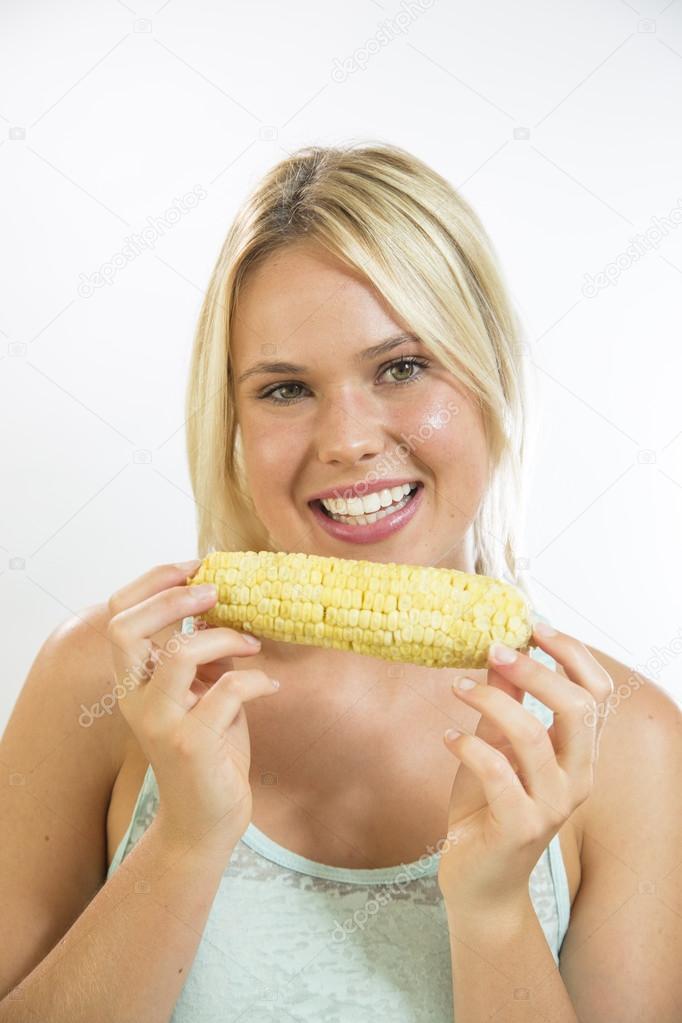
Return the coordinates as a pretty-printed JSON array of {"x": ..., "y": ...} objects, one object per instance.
[
  {"x": 80, "y": 947},
  {"x": 502, "y": 968},
  {"x": 126, "y": 958},
  {"x": 621, "y": 956},
  {"x": 627, "y": 910},
  {"x": 75, "y": 946}
]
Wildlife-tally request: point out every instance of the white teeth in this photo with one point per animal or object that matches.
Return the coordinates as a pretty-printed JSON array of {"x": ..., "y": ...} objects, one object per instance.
[
  {"x": 371, "y": 503},
  {"x": 362, "y": 520},
  {"x": 365, "y": 506}
]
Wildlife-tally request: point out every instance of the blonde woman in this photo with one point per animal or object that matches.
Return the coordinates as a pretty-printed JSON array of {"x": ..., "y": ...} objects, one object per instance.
[{"x": 188, "y": 851}]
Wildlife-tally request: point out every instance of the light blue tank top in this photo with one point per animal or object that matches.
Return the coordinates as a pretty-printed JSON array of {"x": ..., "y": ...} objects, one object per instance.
[{"x": 288, "y": 938}]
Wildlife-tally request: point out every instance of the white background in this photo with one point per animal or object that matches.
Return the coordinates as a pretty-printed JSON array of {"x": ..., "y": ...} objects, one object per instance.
[{"x": 559, "y": 122}]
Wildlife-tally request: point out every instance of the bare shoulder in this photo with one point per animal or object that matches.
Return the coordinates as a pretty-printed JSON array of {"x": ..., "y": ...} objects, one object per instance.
[
  {"x": 642, "y": 725},
  {"x": 639, "y": 761},
  {"x": 70, "y": 674},
  {"x": 82, "y": 646},
  {"x": 53, "y": 854}
]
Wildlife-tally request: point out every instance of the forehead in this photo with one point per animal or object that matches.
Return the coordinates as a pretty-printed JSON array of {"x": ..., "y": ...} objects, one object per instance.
[{"x": 303, "y": 293}]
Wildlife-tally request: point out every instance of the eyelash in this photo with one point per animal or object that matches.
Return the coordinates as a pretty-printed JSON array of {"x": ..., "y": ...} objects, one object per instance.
[{"x": 410, "y": 359}]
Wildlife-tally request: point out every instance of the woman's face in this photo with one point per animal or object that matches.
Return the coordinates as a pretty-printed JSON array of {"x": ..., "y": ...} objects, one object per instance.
[{"x": 350, "y": 420}]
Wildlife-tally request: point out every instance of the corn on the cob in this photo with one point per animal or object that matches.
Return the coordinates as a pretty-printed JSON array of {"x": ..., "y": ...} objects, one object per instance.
[{"x": 436, "y": 617}]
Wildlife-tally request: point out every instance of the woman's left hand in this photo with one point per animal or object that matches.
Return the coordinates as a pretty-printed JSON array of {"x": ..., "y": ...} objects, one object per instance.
[{"x": 518, "y": 782}]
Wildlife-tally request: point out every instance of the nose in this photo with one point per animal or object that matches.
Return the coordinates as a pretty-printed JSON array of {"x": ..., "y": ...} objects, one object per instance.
[{"x": 348, "y": 432}]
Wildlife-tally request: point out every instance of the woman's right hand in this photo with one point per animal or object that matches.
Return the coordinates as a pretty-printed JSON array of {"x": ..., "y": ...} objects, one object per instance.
[{"x": 198, "y": 745}]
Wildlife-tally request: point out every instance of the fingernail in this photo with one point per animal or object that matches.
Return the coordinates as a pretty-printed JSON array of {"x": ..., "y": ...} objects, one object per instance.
[
  {"x": 544, "y": 629},
  {"x": 204, "y": 591},
  {"x": 188, "y": 566},
  {"x": 253, "y": 640},
  {"x": 464, "y": 683},
  {"x": 451, "y": 734},
  {"x": 275, "y": 683},
  {"x": 502, "y": 654}
]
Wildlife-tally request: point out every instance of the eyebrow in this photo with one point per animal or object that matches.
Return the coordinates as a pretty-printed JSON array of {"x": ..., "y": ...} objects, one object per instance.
[{"x": 291, "y": 367}]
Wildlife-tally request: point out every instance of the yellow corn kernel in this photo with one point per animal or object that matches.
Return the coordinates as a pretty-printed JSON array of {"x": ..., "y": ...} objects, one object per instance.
[{"x": 437, "y": 617}]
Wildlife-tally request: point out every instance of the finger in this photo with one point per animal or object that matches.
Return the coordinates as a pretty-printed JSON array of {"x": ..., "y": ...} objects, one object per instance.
[
  {"x": 572, "y": 734},
  {"x": 188, "y": 624},
  {"x": 197, "y": 691},
  {"x": 532, "y": 746},
  {"x": 214, "y": 670},
  {"x": 166, "y": 692},
  {"x": 485, "y": 728},
  {"x": 159, "y": 578},
  {"x": 580, "y": 666},
  {"x": 210, "y": 673},
  {"x": 131, "y": 631},
  {"x": 163, "y": 609},
  {"x": 507, "y": 799},
  {"x": 221, "y": 704}
]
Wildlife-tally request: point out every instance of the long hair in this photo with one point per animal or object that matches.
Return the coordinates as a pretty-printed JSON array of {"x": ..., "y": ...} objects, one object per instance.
[{"x": 390, "y": 217}]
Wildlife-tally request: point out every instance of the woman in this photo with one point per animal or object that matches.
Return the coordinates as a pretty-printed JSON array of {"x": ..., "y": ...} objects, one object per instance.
[{"x": 341, "y": 856}]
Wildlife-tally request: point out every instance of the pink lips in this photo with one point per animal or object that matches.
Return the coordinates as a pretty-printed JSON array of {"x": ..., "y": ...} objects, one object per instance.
[{"x": 374, "y": 531}]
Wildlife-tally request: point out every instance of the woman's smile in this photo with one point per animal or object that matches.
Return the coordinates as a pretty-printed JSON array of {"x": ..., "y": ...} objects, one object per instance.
[{"x": 374, "y": 526}]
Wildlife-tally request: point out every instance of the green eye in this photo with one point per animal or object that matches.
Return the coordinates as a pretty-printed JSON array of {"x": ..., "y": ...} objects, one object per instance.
[
  {"x": 403, "y": 362},
  {"x": 409, "y": 360},
  {"x": 282, "y": 387}
]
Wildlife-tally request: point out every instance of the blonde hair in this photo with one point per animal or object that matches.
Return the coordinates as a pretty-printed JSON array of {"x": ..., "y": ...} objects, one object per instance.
[{"x": 389, "y": 216}]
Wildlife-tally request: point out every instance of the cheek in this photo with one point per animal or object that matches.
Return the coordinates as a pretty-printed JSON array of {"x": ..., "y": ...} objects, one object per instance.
[
  {"x": 448, "y": 436},
  {"x": 271, "y": 456}
]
